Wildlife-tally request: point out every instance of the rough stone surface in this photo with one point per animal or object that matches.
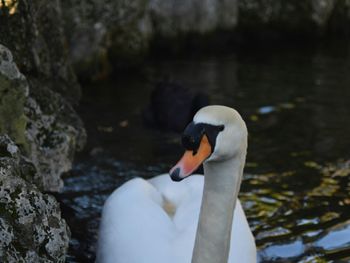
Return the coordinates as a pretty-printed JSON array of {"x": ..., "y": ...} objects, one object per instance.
[
  {"x": 36, "y": 111},
  {"x": 313, "y": 17},
  {"x": 121, "y": 32},
  {"x": 13, "y": 91},
  {"x": 52, "y": 141},
  {"x": 53, "y": 138},
  {"x": 32, "y": 30},
  {"x": 173, "y": 17},
  {"x": 340, "y": 19},
  {"x": 31, "y": 227},
  {"x": 95, "y": 28},
  {"x": 41, "y": 121}
]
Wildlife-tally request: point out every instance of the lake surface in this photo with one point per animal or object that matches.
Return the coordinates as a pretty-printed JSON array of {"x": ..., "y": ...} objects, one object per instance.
[{"x": 297, "y": 107}]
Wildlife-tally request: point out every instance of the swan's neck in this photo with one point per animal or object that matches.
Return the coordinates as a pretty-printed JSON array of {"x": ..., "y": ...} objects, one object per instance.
[{"x": 221, "y": 186}]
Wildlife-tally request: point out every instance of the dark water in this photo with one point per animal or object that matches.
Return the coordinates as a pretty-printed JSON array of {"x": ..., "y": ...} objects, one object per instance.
[{"x": 297, "y": 107}]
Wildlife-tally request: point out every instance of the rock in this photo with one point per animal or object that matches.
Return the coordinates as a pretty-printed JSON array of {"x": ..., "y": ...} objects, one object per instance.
[
  {"x": 321, "y": 11},
  {"x": 103, "y": 31},
  {"x": 173, "y": 17},
  {"x": 41, "y": 121},
  {"x": 13, "y": 92},
  {"x": 31, "y": 227},
  {"x": 312, "y": 18},
  {"x": 340, "y": 18},
  {"x": 53, "y": 135},
  {"x": 120, "y": 33},
  {"x": 33, "y": 31},
  {"x": 173, "y": 106}
]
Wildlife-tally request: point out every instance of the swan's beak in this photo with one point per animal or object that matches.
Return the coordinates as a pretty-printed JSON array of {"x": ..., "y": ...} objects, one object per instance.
[{"x": 191, "y": 160}]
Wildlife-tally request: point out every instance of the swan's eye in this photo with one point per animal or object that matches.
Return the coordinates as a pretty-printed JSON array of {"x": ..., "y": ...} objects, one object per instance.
[
  {"x": 194, "y": 132},
  {"x": 212, "y": 132}
]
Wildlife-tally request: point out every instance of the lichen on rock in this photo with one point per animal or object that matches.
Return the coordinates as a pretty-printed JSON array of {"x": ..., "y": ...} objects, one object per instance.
[
  {"x": 53, "y": 139},
  {"x": 13, "y": 91},
  {"x": 36, "y": 111},
  {"x": 41, "y": 121},
  {"x": 31, "y": 227}
]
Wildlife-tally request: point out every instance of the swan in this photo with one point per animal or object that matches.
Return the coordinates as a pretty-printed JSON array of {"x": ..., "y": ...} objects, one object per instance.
[{"x": 199, "y": 219}]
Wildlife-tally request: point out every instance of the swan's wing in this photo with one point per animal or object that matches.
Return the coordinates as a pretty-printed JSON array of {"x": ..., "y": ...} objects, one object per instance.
[
  {"x": 134, "y": 227},
  {"x": 187, "y": 196}
]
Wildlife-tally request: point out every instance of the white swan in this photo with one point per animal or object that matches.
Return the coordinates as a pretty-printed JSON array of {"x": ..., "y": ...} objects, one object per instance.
[{"x": 155, "y": 221}]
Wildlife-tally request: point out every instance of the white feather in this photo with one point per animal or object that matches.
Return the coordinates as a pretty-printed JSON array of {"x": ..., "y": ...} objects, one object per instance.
[{"x": 135, "y": 228}]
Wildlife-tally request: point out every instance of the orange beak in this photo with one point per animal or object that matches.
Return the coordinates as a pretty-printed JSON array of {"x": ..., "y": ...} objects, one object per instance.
[{"x": 190, "y": 161}]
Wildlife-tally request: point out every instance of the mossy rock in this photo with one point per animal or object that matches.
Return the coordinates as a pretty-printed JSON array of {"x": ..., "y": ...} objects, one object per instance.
[
  {"x": 31, "y": 227},
  {"x": 13, "y": 92},
  {"x": 43, "y": 123}
]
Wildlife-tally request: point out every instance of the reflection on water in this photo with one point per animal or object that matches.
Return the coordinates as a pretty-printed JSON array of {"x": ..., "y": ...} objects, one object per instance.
[
  {"x": 296, "y": 105},
  {"x": 296, "y": 223}
]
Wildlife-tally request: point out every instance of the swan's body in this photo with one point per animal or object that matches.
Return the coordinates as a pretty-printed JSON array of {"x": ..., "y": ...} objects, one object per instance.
[
  {"x": 136, "y": 227},
  {"x": 155, "y": 221}
]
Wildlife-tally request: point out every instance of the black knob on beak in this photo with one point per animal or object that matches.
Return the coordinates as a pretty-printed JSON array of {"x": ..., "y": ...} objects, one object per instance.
[
  {"x": 189, "y": 142},
  {"x": 192, "y": 136}
]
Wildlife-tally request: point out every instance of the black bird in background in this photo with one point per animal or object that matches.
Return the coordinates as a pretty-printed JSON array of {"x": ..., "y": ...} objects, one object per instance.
[{"x": 173, "y": 106}]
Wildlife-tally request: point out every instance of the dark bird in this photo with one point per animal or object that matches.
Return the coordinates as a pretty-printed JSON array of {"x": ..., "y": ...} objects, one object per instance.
[{"x": 173, "y": 106}]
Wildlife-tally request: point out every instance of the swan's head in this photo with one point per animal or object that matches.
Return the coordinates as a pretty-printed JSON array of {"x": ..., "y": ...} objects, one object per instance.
[{"x": 217, "y": 133}]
